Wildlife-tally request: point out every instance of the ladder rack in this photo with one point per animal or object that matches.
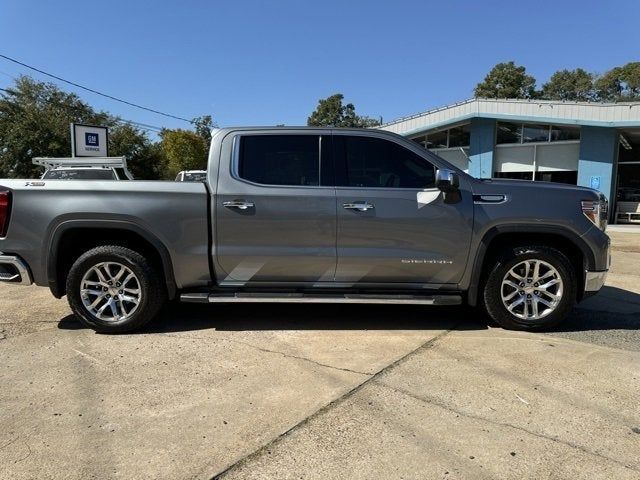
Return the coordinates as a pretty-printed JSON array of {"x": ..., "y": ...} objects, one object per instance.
[{"x": 94, "y": 162}]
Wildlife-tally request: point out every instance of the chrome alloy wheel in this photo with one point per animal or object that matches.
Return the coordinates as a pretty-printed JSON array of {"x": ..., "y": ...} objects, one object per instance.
[
  {"x": 110, "y": 292},
  {"x": 531, "y": 290}
]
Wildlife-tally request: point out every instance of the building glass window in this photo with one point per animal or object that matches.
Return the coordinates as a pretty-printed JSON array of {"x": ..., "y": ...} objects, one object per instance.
[
  {"x": 559, "y": 134},
  {"x": 514, "y": 175},
  {"x": 568, "y": 176},
  {"x": 438, "y": 139},
  {"x": 509, "y": 133},
  {"x": 422, "y": 141},
  {"x": 460, "y": 136},
  {"x": 535, "y": 133}
]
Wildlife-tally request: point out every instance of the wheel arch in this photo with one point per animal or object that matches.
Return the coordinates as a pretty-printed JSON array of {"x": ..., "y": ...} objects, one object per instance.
[
  {"x": 498, "y": 237},
  {"x": 72, "y": 238}
]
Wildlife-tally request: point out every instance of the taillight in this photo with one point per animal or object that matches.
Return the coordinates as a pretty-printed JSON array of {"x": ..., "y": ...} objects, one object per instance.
[{"x": 5, "y": 209}]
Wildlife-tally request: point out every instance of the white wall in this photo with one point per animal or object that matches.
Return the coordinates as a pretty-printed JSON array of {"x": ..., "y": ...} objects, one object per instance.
[
  {"x": 546, "y": 157},
  {"x": 457, "y": 156}
]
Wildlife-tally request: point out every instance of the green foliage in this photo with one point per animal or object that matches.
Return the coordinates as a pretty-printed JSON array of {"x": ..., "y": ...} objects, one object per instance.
[
  {"x": 203, "y": 126},
  {"x": 507, "y": 80},
  {"x": 183, "y": 150},
  {"x": 34, "y": 122},
  {"x": 144, "y": 157},
  {"x": 330, "y": 112},
  {"x": 620, "y": 84},
  {"x": 573, "y": 85}
]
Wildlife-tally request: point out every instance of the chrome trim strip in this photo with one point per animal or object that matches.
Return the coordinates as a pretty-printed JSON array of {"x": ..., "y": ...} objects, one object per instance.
[
  {"x": 489, "y": 198},
  {"x": 20, "y": 266},
  {"x": 321, "y": 298},
  {"x": 215, "y": 299},
  {"x": 594, "y": 281}
]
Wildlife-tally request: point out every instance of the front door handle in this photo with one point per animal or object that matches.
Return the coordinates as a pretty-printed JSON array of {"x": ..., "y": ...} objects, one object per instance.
[
  {"x": 360, "y": 206},
  {"x": 239, "y": 204}
]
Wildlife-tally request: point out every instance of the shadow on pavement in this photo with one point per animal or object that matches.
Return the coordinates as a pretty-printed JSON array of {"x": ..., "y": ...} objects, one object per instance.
[
  {"x": 177, "y": 317},
  {"x": 268, "y": 316},
  {"x": 598, "y": 313}
]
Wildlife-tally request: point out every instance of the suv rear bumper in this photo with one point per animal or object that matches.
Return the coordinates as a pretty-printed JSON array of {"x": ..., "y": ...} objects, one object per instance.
[
  {"x": 593, "y": 281},
  {"x": 14, "y": 270}
]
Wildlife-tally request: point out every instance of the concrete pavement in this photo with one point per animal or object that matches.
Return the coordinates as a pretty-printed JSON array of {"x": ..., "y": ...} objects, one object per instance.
[{"x": 328, "y": 391}]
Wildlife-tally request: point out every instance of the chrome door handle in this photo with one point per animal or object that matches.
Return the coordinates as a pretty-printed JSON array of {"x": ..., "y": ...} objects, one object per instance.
[
  {"x": 239, "y": 204},
  {"x": 360, "y": 206}
]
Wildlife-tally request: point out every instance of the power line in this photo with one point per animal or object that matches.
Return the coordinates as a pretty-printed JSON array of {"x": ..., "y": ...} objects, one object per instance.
[
  {"x": 142, "y": 126},
  {"x": 95, "y": 91}
]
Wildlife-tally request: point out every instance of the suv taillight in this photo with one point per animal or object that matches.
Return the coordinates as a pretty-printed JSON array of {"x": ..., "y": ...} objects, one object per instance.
[{"x": 5, "y": 209}]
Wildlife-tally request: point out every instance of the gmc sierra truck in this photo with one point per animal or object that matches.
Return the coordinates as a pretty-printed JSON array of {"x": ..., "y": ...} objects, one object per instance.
[{"x": 308, "y": 215}]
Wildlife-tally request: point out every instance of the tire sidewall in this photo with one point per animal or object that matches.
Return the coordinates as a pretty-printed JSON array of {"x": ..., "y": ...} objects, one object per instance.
[
  {"x": 493, "y": 287},
  {"x": 147, "y": 280}
]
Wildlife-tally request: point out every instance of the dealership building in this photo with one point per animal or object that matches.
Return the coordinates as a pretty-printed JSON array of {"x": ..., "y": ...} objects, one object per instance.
[{"x": 595, "y": 145}]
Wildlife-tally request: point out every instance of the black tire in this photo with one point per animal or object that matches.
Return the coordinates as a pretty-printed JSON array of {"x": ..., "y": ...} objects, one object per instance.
[
  {"x": 492, "y": 294},
  {"x": 152, "y": 290}
]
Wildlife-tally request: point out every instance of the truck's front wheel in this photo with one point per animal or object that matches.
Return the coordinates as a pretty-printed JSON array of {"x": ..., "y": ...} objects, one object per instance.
[
  {"x": 530, "y": 288},
  {"x": 113, "y": 289}
]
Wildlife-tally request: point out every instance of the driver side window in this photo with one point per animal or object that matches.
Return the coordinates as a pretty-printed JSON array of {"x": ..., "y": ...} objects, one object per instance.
[{"x": 378, "y": 163}]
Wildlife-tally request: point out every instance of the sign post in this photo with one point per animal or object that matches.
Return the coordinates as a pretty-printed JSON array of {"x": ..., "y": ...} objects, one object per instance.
[{"x": 89, "y": 140}]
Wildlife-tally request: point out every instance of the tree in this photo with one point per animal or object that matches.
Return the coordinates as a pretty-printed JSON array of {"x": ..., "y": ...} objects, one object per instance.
[
  {"x": 34, "y": 122},
  {"x": 144, "y": 157},
  {"x": 203, "y": 126},
  {"x": 574, "y": 85},
  {"x": 183, "y": 150},
  {"x": 330, "y": 112},
  {"x": 619, "y": 84},
  {"x": 507, "y": 80}
]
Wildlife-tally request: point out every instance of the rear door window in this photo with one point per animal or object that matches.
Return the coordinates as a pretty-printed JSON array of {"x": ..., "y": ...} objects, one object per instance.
[{"x": 292, "y": 160}]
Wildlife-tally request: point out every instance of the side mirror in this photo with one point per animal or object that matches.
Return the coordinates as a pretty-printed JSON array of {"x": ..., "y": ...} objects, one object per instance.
[{"x": 447, "y": 180}]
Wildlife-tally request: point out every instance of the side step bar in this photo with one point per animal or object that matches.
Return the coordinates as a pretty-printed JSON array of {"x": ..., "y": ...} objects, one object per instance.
[
  {"x": 320, "y": 298},
  {"x": 14, "y": 270}
]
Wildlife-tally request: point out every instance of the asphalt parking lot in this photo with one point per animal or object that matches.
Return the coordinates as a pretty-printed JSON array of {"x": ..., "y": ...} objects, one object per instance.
[{"x": 324, "y": 391}]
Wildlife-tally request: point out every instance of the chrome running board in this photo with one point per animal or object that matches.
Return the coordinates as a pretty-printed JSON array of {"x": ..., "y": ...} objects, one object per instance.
[{"x": 241, "y": 297}]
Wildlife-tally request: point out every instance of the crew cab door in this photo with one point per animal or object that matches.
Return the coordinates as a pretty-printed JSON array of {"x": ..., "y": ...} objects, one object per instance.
[
  {"x": 275, "y": 209},
  {"x": 394, "y": 226}
]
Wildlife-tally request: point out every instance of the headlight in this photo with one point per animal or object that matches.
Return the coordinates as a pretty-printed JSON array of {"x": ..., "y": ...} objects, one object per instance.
[{"x": 596, "y": 211}]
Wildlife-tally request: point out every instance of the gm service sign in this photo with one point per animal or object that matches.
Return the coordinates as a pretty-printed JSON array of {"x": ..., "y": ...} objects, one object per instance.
[{"x": 89, "y": 140}]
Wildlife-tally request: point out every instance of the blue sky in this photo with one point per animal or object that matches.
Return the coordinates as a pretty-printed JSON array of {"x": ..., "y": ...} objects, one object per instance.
[{"x": 268, "y": 62}]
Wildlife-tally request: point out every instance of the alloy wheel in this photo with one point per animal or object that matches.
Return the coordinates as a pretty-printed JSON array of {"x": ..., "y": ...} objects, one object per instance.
[
  {"x": 110, "y": 291},
  {"x": 532, "y": 289}
]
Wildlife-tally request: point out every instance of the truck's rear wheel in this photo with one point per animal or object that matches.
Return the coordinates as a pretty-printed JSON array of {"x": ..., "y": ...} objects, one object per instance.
[
  {"x": 530, "y": 288},
  {"x": 113, "y": 289}
]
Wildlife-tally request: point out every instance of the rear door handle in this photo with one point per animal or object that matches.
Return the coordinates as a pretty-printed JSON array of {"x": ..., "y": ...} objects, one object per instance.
[
  {"x": 239, "y": 204},
  {"x": 360, "y": 206}
]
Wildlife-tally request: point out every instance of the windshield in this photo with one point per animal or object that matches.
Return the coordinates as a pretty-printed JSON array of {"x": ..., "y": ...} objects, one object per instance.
[{"x": 83, "y": 174}]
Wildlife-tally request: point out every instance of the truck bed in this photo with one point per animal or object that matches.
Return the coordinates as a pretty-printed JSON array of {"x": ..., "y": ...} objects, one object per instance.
[{"x": 173, "y": 214}]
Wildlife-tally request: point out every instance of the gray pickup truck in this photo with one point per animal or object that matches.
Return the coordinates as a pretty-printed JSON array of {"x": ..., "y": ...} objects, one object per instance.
[{"x": 308, "y": 215}]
